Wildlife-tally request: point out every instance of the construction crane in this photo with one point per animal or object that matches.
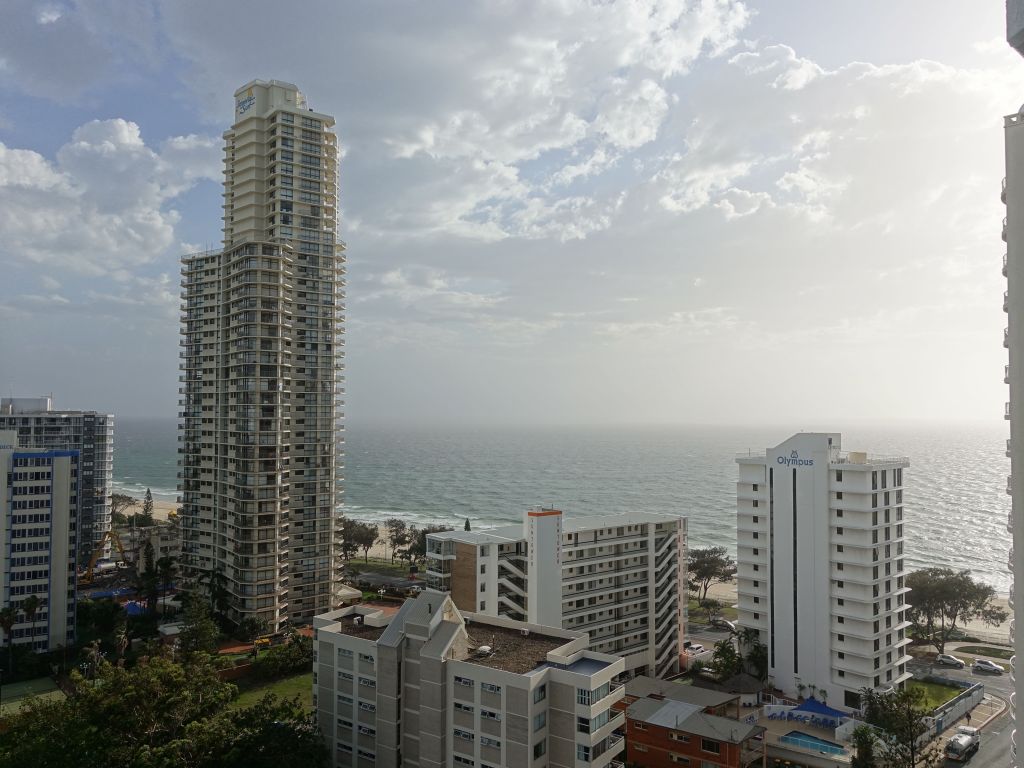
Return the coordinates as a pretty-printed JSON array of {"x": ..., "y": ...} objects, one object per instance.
[{"x": 112, "y": 536}]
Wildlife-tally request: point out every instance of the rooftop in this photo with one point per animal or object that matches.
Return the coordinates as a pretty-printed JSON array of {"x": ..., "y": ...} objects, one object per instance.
[
  {"x": 348, "y": 624},
  {"x": 511, "y": 650},
  {"x": 689, "y": 718},
  {"x": 643, "y": 686}
]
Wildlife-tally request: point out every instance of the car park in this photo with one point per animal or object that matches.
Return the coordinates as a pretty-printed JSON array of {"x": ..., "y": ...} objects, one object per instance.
[
  {"x": 946, "y": 660},
  {"x": 984, "y": 665}
]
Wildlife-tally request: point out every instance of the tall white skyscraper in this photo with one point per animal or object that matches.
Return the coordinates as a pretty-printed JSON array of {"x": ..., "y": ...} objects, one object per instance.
[
  {"x": 820, "y": 565},
  {"x": 262, "y": 374}
]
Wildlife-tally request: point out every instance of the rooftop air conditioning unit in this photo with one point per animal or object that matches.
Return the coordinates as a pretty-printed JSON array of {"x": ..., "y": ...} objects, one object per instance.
[
  {"x": 483, "y": 650},
  {"x": 524, "y": 632},
  {"x": 358, "y": 619}
]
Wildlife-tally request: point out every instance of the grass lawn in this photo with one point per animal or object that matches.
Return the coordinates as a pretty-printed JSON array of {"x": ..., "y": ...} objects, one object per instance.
[
  {"x": 986, "y": 650},
  {"x": 14, "y": 695},
  {"x": 698, "y": 613},
  {"x": 251, "y": 691},
  {"x": 935, "y": 694}
]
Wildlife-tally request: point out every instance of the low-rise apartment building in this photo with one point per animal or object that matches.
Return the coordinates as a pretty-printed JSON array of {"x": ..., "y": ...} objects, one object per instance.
[
  {"x": 821, "y": 565},
  {"x": 424, "y": 686},
  {"x": 39, "y": 494},
  {"x": 620, "y": 578},
  {"x": 666, "y": 733}
]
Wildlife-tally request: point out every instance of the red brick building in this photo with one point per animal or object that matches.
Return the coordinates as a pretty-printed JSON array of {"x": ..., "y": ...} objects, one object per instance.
[{"x": 665, "y": 733}]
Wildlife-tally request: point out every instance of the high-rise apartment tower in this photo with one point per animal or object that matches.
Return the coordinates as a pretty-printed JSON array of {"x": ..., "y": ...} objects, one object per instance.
[
  {"x": 820, "y": 565},
  {"x": 91, "y": 434},
  {"x": 262, "y": 345},
  {"x": 1013, "y": 339}
]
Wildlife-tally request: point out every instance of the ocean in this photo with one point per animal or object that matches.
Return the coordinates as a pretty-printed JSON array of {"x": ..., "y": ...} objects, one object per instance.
[{"x": 955, "y": 502}]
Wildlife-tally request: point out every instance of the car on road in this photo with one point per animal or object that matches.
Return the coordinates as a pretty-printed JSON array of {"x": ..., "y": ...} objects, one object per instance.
[
  {"x": 964, "y": 744},
  {"x": 945, "y": 660},
  {"x": 719, "y": 623},
  {"x": 984, "y": 665}
]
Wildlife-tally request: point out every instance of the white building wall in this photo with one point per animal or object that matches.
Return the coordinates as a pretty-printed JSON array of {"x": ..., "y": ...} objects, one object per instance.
[{"x": 820, "y": 565}]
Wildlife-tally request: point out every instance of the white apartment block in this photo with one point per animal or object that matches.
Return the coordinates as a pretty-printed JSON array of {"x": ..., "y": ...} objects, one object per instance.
[
  {"x": 425, "y": 685},
  {"x": 262, "y": 345},
  {"x": 620, "y": 578},
  {"x": 88, "y": 432},
  {"x": 820, "y": 565},
  {"x": 39, "y": 494}
]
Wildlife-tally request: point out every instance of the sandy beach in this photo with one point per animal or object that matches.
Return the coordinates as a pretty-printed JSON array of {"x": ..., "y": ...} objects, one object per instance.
[{"x": 161, "y": 509}]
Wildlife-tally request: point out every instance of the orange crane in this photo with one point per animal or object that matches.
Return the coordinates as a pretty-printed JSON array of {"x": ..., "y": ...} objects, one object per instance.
[{"x": 112, "y": 536}]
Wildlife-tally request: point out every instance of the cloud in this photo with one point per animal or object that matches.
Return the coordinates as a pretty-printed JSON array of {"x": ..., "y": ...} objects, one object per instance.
[{"x": 102, "y": 206}]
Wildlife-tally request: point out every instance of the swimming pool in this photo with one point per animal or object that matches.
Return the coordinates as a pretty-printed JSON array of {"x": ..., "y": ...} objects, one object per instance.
[{"x": 807, "y": 741}]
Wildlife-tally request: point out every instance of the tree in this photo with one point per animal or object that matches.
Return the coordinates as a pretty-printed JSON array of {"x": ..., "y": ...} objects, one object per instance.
[
  {"x": 900, "y": 716},
  {"x": 396, "y": 534},
  {"x": 216, "y": 585},
  {"x": 250, "y": 628},
  {"x": 8, "y": 618},
  {"x": 122, "y": 638},
  {"x": 165, "y": 715},
  {"x": 166, "y": 568},
  {"x": 147, "y": 505},
  {"x": 864, "y": 739},
  {"x": 348, "y": 544},
  {"x": 119, "y": 505},
  {"x": 147, "y": 580},
  {"x": 363, "y": 536},
  {"x": 944, "y": 600},
  {"x": 726, "y": 660},
  {"x": 757, "y": 660},
  {"x": 711, "y": 608},
  {"x": 466, "y": 527},
  {"x": 707, "y": 566},
  {"x": 199, "y": 632}
]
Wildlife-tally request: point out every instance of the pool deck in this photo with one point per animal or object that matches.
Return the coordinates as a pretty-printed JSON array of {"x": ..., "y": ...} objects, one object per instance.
[{"x": 776, "y": 729}]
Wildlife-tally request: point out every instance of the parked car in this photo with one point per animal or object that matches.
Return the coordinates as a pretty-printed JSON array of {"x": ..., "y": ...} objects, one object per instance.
[
  {"x": 694, "y": 650},
  {"x": 720, "y": 623},
  {"x": 945, "y": 660},
  {"x": 984, "y": 665}
]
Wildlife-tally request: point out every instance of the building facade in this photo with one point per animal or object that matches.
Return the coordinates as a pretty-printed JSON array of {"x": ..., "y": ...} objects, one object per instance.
[
  {"x": 820, "y": 565},
  {"x": 39, "y": 496},
  {"x": 620, "y": 578},
  {"x": 1013, "y": 340},
  {"x": 261, "y": 371},
  {"x": 88, "y": 432},
  {"x": 664, "y": 733},
  {"x": 425, "y": 686}
]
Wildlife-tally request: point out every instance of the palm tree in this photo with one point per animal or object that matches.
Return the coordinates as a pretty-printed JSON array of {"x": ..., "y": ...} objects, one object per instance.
[
  {"x": 8, "y": 618},
  {"x": 30, "y": 606},
  {"x": 122, "y": 638},
  {"x": 217, "y": 588},
  {"x": 167, "y": 567}
]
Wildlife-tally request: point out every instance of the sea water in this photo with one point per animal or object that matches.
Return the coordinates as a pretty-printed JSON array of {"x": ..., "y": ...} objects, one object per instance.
[{"x": 955, "y": 502}]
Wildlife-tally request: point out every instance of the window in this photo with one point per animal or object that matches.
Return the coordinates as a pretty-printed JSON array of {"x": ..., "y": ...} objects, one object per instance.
[
  {"x": 842, "y": 673},
  {"x": 464, "y": 681},
  {"x": 839, "y": 566},
  {"x": 462, "y": 760},
  {"x": 464, "y": 735},
  {"x": 483, "y": 586},
  {"x": 490, "y": 687},
  {"x": 710, "y": 745},
  {"x": 840, "y": 620},
  {"x": 841, "y": 655},
  {"x": 366, "y": 657},
  {"x": 367, "y": 707},
  {"x": 839, "y": 531},
  {"x": 487, "y": 741},
  {"x": 756, "y": 519},
  {"x": 839, "y": 513},
  {"x": 483, "y": 567},
  {"x": 460, "y": 707},
  {"x": 840, "y": 584},
  {"x": 367, "y": 682},
  {"x": 841, "y": 638},
  {"x": 583, "y": 753},
  {"x": 839, "y": 495},
  {"x": 680, "y": 760},
  {"x": 756, "y": 551},
  {"x": 839, "y": 548},
  {"x": 483, "y": 606},
  {"x": 485, "y": 550},
  {"x": 755, "y": 534},
  {"x": 839, "y": 475},
  {"x": 540, "y": 693},
  {"x": 840, "y": 601},
  {"x": 489, "y": 714},
  {"x": 539, "y": 749},
  {"x": 755, "y": 503},
  {"x": 539, "y": 721}
]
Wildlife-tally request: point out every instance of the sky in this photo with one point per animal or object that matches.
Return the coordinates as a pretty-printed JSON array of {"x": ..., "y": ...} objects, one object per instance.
[{"x": 564, "y": 212}]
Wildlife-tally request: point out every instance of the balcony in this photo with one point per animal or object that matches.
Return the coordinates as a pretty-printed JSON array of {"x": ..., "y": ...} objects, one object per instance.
[
  {"x": 1002, "y": 192},
  {"x": 1007, "y": 412},
  {"x": 1004, "y": 229},
  {"x": 1006, "y": 374},
  {"x": 1006, "y": 301},
  {"x": 1004, "y": 265}
]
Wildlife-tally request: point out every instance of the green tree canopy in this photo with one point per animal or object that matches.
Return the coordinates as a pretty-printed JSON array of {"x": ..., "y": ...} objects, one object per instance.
[
  {"x": 707, "y": 566},
  {"x": 199, "y": 632},
  {"x": 900, "y": 716},
  {"x": 164, "y": 715},
  {"x": 943, "y": 600}
]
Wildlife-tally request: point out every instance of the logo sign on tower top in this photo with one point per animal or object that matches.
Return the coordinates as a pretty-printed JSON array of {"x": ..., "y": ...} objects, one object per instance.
[
  {"x": 245, "y": 103},
  {"x": 794, "y": 460}
]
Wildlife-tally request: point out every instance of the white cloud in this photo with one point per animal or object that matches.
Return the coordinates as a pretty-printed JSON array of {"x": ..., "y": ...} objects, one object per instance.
[{"x": 102, "y": 206}]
